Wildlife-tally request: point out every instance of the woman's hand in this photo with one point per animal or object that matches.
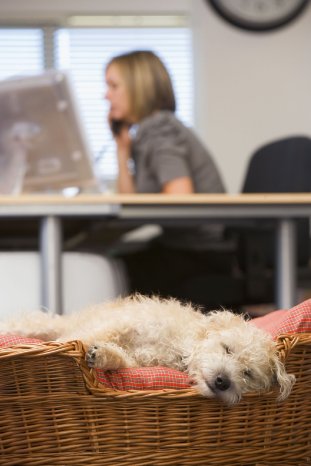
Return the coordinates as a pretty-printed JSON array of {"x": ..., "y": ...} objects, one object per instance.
[{"x": 125, "y": 181}]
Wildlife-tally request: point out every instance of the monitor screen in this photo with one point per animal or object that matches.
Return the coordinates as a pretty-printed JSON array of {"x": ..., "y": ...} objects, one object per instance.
[{"x": 42, "y": 140}]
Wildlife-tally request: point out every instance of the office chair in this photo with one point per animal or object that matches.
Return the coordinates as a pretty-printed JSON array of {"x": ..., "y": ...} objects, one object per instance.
[{"x": 282, "y": 166}]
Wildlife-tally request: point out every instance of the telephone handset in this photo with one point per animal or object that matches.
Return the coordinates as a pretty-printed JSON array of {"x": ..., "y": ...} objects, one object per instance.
[{"x": 117, "y": 125}]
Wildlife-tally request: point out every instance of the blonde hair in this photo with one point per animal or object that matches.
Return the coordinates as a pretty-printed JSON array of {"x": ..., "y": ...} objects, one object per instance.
[{"x": 147, "y": 81}]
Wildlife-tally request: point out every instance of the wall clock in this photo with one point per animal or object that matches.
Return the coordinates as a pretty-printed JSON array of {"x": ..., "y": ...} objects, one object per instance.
[{"x": 258, "y": 15}]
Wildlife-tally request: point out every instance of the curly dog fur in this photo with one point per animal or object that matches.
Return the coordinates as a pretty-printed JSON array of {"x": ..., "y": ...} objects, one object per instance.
[{"x": 225, "y": 355}]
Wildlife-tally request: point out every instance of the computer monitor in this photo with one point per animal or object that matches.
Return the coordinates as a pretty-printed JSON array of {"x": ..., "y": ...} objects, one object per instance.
[{"x": 40, "y": 127}]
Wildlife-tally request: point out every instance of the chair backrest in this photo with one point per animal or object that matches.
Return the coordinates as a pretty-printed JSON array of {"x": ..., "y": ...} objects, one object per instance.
[{"x": 283, "y": 166}]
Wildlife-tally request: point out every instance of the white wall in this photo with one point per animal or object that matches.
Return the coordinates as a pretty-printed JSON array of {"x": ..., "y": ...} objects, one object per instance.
[
  {"x": 39, "y": 8},
  {"x": 250, "y": 88}
]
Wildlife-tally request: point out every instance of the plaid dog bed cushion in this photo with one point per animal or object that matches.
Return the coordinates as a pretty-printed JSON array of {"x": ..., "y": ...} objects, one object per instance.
[
  {"x": 144, "y": 378},
  {"x": 294, "y": 320}
]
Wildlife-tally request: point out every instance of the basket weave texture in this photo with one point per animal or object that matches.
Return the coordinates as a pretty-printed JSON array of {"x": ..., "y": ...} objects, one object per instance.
[{"x": 53, "y": 411}]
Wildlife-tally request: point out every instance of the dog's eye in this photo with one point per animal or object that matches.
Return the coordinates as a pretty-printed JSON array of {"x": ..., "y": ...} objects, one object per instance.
[
  {"x": 247, "y": 373},
  {"x": 227, "y": 349}
]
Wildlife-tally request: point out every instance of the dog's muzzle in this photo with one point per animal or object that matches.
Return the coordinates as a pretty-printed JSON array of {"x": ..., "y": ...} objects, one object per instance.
[{"x": 222, "y": 383}]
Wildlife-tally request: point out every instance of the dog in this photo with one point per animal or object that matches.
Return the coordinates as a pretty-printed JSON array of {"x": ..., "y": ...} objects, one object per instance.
[{"x": 225, "y": 355}]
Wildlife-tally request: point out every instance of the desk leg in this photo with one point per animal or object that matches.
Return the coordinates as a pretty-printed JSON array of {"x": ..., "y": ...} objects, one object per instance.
[
  {"x": 286, "y": 264},
  {"x": 51, "y": 263}
]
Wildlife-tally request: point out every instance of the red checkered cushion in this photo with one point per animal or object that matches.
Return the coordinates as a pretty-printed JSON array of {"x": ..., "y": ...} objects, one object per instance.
[
  {"x": 11, "y": 340},
  {"x": 144, "y": 378},
  {"x": 294, "y": 320}
]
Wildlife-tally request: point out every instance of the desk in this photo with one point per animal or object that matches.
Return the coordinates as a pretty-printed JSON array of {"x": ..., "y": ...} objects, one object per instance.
[{"x": 160, "y": 208}]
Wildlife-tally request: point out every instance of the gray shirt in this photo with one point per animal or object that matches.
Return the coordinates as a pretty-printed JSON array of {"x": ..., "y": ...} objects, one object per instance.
[{"x": 165, "y": 149}]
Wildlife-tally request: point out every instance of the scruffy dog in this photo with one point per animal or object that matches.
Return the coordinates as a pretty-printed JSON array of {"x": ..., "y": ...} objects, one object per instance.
[{"x": 224, "y": 355}]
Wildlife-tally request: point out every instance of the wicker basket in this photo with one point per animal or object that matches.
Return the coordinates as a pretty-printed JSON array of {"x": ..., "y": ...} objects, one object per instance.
[{"x": 53, "y": 412}]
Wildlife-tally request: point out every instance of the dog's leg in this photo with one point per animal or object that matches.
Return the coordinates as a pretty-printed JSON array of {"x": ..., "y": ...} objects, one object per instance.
[{"x": 108, "y": 356}]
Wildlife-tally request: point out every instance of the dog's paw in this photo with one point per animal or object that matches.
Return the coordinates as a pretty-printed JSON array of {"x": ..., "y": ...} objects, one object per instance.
[
  {"x": 91, "y": 356},
  {"x": 108, "y": 356}
]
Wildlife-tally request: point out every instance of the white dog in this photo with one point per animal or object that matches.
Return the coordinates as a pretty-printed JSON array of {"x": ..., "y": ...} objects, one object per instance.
[{"x": 223, "y": 354}]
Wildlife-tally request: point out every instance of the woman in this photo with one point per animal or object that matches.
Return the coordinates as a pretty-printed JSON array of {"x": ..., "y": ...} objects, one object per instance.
[
  {"x": 167, "y": 157},
  {"x": 159, "y": 154}
]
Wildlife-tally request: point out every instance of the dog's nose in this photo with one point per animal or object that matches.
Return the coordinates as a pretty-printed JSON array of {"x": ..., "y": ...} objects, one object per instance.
[{"x": 222, "y": 382}]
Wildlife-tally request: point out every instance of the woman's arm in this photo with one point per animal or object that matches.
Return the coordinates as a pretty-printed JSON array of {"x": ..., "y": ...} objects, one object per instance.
[
  {"x": 182, "y": 185},
  {"x": 125, "y": 180}
]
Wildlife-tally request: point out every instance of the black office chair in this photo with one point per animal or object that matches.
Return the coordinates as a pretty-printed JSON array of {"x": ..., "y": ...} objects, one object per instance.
[{"x": 282, "y": 166}]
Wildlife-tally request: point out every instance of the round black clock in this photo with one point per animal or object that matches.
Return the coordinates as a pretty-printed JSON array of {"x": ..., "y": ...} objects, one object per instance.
[{"x": 258, "y": 15}]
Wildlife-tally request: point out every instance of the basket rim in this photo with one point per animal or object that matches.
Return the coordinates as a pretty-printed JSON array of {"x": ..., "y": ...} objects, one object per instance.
[
  {"x": 76, "y": 350},
  {"x": 76, "y": 347}
]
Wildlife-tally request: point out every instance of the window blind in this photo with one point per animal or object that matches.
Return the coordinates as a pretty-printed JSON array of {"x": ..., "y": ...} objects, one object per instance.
[{"x": 21, "y": 51}]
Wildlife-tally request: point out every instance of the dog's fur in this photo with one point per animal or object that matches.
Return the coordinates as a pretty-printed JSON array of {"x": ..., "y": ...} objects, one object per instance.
[{"x": 225, "y": 355}]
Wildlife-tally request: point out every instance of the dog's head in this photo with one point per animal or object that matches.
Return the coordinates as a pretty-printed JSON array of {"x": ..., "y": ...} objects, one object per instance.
[{"x": 234, "y": 357}]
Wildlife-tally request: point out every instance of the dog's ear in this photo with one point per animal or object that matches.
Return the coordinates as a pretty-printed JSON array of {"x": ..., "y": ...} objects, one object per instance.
[{"x": 284, "y": 380}]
